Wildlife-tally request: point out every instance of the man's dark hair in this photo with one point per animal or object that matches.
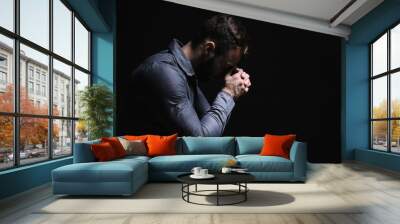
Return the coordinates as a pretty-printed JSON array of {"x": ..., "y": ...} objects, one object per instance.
[{"x": 226, "y": 31}]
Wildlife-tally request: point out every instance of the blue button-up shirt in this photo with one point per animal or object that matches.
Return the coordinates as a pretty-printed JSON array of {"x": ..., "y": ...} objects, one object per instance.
[{"x": 167, "y": 98}]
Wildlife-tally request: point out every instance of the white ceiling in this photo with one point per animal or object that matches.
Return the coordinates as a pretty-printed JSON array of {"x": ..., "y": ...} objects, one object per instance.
[
  {"x": 314, "y": 15},
  {"x": 319, "y": 9}
]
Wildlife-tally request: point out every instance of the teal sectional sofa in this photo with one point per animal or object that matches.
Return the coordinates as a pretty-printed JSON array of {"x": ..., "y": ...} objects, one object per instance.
[{"x": 125, "y": 176}]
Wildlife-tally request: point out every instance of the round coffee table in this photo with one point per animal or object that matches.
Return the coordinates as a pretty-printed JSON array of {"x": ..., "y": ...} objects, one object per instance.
[{"x": 238, "y": 179}]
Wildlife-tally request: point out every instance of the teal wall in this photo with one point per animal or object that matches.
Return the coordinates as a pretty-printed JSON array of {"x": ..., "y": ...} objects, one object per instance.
[
  {"x": 381, "y": 159},
  {"x": 24, "y": 178},
  {"x": 100, "y": 16},
  {"x": 103, "y": 51},
  {"x": 355, "y": 104}
]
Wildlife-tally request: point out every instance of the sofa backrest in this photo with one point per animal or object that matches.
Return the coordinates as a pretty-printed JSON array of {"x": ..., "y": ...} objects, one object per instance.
[
  {"x": 190, "y": 146},
  {"x": 206, "y": 145},
  {"x": 249, "y": 145},
  {"x": 83, "y": 152}
]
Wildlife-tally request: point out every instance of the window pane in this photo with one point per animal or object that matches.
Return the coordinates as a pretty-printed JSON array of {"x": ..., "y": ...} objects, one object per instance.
[
  {"x": 81, "y": 45},
  {"x": 379, "y": 135},
  {"x": 81, "y": 131},
  {"x": 62, "y": 137},
  {"x": 62, "y": 29},
  {"x": 379, "y": 97},
  {"x": 81, "y": 81},
  {"x": 33, "y": 140},
  {"x": 7, "y": 14},
  {"x": 35, "y": 21},
  {"x": 62, "y": 89},
  {"x": 34, "y": 97},
  {"x": 395, "y": 47},
  {"x": 379, "y": 55},
  {"x": 6, "y": 142},
  {"x": 395, "y": 136},
  {"x": 395, "y": 95},
  {"x": 6, "y": 74}
]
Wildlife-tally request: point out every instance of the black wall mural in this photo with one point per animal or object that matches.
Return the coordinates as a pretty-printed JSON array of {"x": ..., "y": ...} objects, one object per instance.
[{"x": 295, "y": 75}]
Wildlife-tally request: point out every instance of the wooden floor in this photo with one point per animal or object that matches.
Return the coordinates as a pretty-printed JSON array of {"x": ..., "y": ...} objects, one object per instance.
[{"x": 354, "y": 182}]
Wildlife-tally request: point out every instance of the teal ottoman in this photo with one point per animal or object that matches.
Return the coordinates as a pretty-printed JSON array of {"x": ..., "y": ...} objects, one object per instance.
[{"x": 118, "y": 177}]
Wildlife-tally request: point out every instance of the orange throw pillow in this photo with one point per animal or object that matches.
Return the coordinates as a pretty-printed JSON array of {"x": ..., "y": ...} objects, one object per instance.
[
  {"x": 161, "y": 145},
  {"x": 277, "y": 145},
  {"x": 116, "y": 145},
  {"x": 135, "y": 137},
  {"x": 103, "y": 151}
]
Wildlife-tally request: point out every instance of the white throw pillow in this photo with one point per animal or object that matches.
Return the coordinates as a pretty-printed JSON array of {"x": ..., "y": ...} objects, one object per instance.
[{"x": 134, "y": 147}]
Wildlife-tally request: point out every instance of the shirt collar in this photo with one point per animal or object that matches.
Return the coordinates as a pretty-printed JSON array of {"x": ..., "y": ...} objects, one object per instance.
[{"x": 176, "y": 48}]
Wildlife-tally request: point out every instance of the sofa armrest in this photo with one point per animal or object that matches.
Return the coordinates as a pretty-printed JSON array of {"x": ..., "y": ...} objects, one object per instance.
[
  {"x": 298, "y": 155},
  {"x": 83, "y": 152}
]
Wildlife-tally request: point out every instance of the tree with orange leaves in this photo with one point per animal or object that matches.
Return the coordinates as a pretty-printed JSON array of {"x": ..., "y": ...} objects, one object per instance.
[
  {"x": 33, "y": 131},
  {"x": 6, "y": 122}
]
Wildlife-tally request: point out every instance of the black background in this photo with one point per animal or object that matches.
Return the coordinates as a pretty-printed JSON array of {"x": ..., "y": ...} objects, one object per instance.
[{"x": 295, "y": 75}]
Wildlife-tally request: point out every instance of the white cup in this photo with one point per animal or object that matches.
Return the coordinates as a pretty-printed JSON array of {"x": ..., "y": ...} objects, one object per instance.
[
  {"x": 226, "y": 170},
  {"x": 196, "y": 171},
  {"x": 203, "y": 172}
]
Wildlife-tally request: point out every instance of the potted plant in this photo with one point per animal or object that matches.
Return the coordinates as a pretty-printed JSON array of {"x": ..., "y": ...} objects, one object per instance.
[{"x": 96, "y": 103}]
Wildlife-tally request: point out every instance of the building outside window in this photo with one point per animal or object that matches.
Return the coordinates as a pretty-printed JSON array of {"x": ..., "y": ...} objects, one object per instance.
[
  {"x": 30, "y": 72},
  {"x": 55, "y": 95},
  {"x": 44, "y": 91},
  {"x": 43, "y": 77},
  {"x": 3, "y": 72},
  {"x": 30, "y": 87},
  {"x": 3, "y": 77},
  {"x": 3, "y": 61},
  {"x": 37, "y": 75},
  {"x": 38, "y": 89}
]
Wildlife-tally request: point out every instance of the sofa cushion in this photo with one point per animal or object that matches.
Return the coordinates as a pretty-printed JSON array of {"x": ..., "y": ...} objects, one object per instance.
[
  {"x": 111, "y": 171},
  {"x": 134, "y": 147},
  {"x": 135, "y": 137},
  {"x": 277, "y": 145},
  {"x": 185, "y": 163},
  {"x": 257, "y": 163},
  {"x": 249, "y": 145},
  {"x": 207, "y": 145},
  {"x": 133, "y": 158},
  {"x": 103, "y": 152},
  {"x": 161, "y": 145},
  {"x": 116, "y": 145}
]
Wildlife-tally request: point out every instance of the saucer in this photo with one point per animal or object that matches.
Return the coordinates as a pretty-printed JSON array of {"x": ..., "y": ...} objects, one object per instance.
[
  {"x": 240, "y": 171},
  {"x": 208, "y": 176}
]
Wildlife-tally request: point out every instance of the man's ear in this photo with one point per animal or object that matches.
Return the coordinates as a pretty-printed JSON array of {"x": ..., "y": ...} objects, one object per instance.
[{"x": 209, "y": 47}]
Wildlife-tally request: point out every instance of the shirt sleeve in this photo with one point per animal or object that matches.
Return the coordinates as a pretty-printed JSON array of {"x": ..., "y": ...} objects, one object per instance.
[
  {"x": 201, "y": 103},
  {"x": 171, "y": 89}
]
